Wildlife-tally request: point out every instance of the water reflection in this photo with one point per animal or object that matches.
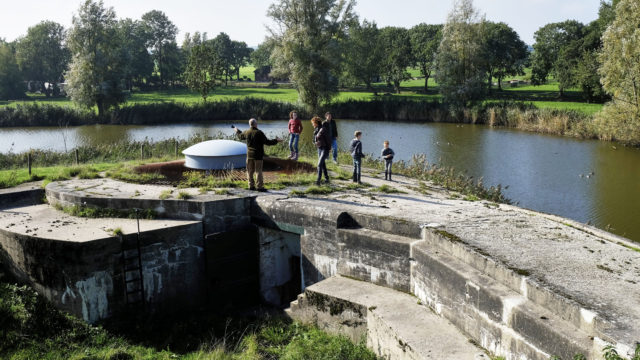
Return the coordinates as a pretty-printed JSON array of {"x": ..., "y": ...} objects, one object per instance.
[{"x": 542, "y": 172}]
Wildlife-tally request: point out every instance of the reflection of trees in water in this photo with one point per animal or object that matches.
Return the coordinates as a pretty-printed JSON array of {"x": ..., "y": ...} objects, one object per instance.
[
  {"x": 95, "y": 135},
  {"x": 616, "y": 190}
]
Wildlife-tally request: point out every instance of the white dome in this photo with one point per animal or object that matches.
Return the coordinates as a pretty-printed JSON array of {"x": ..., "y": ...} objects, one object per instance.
[{"x": 216, "y": 148}]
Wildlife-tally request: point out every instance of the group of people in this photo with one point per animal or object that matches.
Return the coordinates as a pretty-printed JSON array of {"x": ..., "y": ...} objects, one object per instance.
[{"x": 325, "y": 138}]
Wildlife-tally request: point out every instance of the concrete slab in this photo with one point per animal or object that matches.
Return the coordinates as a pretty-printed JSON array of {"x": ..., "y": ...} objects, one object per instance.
[
  {"x": 398, "y": 326},
  {"x": 45, "y": 222}
]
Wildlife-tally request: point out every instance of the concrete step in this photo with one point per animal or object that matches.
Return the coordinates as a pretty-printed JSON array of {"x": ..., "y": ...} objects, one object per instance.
[
  {"x": 394, "y": 324},
  {"x": 502, "y": 320},
  {"x": 552, "y": 300},
  {"x": 383, "y": 258}
]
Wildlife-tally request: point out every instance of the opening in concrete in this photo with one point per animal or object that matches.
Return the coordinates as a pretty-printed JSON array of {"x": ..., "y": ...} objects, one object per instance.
[
  {"x": 251, "y": 266},
  {"x": 232, "y": 268},
  {"x": 280, "y": 266}
]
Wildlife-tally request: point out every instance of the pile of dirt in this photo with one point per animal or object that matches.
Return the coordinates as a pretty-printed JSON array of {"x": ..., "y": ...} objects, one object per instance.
[{"x": 272, "y": 168}]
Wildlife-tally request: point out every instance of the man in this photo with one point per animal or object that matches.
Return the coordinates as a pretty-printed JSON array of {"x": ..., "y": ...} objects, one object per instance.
[
  {"x": 256, "y": 140},
  {"x": 334, "y": 135}
]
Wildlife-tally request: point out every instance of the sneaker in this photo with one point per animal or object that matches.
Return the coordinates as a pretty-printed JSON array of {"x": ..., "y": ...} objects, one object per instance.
[
  {"x": 326, "y": 181},
  {"x": 252, "y": 188},
  {"x": 335, "y": 161}
]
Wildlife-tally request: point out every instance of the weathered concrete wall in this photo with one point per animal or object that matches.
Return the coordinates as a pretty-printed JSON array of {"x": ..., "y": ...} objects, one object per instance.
[
  {"x": 220, "y": 215},
  {"x": 280, "y": 270},
  {"x": 499, "y": 307},
  {"x": 86, "y": 278}
]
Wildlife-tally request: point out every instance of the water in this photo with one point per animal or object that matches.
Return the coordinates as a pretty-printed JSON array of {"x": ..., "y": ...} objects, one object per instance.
[{"x": 589, "y": 181}]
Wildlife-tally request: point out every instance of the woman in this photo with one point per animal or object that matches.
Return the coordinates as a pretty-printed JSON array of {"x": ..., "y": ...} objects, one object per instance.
[
  {"x": 295, "y": 128},
  {"x": 321, "y": 137}
]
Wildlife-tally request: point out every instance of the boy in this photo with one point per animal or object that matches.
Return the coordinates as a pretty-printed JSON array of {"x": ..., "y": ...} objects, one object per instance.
[
  {"x": 356, "y": 153},
  {"x": 387, "y": 155}
]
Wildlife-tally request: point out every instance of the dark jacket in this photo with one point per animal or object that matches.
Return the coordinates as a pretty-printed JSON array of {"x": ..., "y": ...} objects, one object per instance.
[
  {"x": 256, "y": 140},
  {"x": 328, "y": 128},
  {"x": 386, "y": 152},
  {"x": 322, "y": 137},
  {"x": 334, "y": 129},
  {"x": 356, "y": 149}
]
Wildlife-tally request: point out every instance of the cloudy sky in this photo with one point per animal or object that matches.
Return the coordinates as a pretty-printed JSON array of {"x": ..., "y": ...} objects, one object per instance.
[{"x": 245, "y": 20}]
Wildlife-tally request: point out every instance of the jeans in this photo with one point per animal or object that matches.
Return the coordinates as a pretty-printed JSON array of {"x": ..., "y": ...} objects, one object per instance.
[
  {"x": 323, "y": 154},
  {"x": 357, "y": 169},
  {"x": 334, "y": 146},
  {"x": 254, "y": 166},
  {"x": 293, "y": 142},
  {"x": 387, "y": 168}
]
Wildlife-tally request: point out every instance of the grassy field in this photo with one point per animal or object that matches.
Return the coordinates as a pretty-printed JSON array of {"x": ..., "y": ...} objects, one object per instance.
[{"x": 542, "y": 96}]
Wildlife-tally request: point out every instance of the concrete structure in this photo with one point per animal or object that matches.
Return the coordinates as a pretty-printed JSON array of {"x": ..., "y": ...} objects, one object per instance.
[
  {"x": 520, "y": 284},
  {"x": 216, "y": 155}
]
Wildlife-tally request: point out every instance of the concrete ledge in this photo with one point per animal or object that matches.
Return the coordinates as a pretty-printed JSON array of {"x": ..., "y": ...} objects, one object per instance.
[
  {"x": 500, "y": 319},
  {"x": 21, "y": 196},
  {"x": 394, "y": 324}
]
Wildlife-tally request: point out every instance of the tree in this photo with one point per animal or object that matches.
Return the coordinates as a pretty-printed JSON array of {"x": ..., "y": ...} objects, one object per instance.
[
  {"x": 10, "y": 78},
  {"x": 425, "y": 40},
  {"x": 95, "y": 72},
  {"x": 504, "y": 52},
  {"x": 203, "y": 70},
  {"x": 363, "y": 55},
  {"x": 397, "y": 55},
  {"x": 262, "y": 55},
  {"x": 459, "y": 63},
  {"x": 240, "y": 55},
  {"x": 160, "y": 32},
  {"x": 224, "y": 47},
  {"x": 137, "y": 62},
  {"x": 308, "y": 37},
  {"x": 587, "y": 77},
  {"x": 42, "y": 54},
  {"x": 174, "y": 63},
  {"x": 620, "y": 71},
  {"x": 555, "y": 52}
]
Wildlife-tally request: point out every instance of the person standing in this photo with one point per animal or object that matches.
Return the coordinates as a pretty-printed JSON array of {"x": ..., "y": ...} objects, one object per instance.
[
  {"x": 357, "y": 155},
  {"x": 322, "y": 139},
  {"x": 387, "y": 155},
  {"x": 256, "y": 140},
  {"x": 295, "y": 128},
  {"x": 334, "y": 135}
]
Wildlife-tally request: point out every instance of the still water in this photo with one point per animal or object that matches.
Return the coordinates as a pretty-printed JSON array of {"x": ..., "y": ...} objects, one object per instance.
[{"x": 589, "y": 181}]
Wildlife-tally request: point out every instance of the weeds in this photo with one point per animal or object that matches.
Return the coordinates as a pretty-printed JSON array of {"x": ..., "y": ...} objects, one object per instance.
[
  {"x": 314, "y": 190},
  {"x": 91, "y": 212},
  {"x": 165, "y": 194},
  {"x": 183, "y": 195}
]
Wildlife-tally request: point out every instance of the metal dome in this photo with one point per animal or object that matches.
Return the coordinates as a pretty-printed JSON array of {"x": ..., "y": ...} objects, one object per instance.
[{"x": 215, "y": 155}]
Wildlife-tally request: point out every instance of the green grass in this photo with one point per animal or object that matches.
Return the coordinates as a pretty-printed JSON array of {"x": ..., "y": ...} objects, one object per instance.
[
  {"x": 542, "y": 96},
  {"x": 94, "y": 213},
  {"x": 15, "y": 177},
  {"x": 33, "y": 329}
]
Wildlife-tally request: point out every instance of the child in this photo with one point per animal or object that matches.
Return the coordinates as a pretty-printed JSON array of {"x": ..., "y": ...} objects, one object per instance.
[
  {"x": 356, "y": 153},
  {"x": 295, "y": 128},
  {"x": 387, "y": 155}
]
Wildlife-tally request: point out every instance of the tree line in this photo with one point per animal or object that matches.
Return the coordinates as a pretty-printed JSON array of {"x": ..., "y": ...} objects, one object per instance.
[{"x": 322, "y": 45}]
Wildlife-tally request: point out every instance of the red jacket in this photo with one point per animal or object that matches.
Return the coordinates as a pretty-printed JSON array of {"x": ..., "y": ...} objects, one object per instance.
[{"x": 295, "y": 126}]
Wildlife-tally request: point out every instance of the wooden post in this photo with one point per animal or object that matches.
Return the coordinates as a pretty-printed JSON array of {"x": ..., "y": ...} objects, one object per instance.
[
  {"x": 141, "y": 151},
  {"x": 29, "y": 162},
  {"x": 176, "y": 147},
  {"x": 77, "y": 157}
]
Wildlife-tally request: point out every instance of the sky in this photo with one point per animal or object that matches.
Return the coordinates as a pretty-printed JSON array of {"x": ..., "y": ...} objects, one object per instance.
[{"x": 245, "y": 20}]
